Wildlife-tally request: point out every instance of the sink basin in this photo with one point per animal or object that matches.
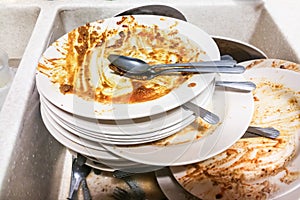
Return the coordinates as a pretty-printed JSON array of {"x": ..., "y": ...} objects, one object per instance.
[
  {"x": 35, "y": 165},
  {"x": 253, "y": 28},
  {"x": 17, "y": 24}
]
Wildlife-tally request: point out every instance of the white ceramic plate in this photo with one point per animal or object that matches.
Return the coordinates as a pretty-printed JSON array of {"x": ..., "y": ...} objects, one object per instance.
[
  {"x": 288, "y": 79},
  {"x": 123, "y": 163},
  {"x": 74, "y": 138},
  {"x": 127, "y": 128},
  {"x": 121, "y": 127},
  {"x": 126, "y": 167},
  {"x": 104, "y": 158},
  {"x": 110, "y": 166},
  {"x": 90, "y": 163},
  {"x": 98, "y": 136},
  {"x": 84, "y": 150},
  {"x": 235, "y": 110},
  {"x": 103, "y": 138},
  {"x": 99, "y": 166},
  {"x": 127, "y": 140},
  {"x": 175, "y": 98}
]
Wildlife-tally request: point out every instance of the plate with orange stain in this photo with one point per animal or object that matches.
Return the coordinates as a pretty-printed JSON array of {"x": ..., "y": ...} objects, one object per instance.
[
  {"x": 257, "y": 167},
  {"x": 74, "y": 73},
  {"x": 200, "y": 140}
]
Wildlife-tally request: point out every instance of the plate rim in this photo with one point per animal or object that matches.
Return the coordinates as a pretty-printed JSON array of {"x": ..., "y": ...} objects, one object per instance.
[
  {"x": 87, "y": 150},
  {"x": 170, "y": 130}
]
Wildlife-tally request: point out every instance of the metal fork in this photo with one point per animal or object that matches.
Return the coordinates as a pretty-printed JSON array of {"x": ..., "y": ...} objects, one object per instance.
[
  {"x": 121, "y": 194},
  {"x": 79, "y": 173},
  {"x": 211, "y": 118},
  {"x": 137, "y": 192}
]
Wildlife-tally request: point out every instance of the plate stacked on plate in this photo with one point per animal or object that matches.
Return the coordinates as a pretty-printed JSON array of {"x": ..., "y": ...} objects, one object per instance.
[
  {"x": 86, "y": 106},
  {"x": 252, "y": 168},
  {"x": 199, "y": 140}
]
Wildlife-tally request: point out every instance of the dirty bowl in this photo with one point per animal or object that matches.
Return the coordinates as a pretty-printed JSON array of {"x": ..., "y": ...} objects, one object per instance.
[{"x": 239, "y": 50}]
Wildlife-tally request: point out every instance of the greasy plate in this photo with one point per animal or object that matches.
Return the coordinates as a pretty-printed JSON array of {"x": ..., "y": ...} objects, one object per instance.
[
  {"x": 231, "y": 106},
  {"x": 271, "y": 167},
  {"x": 108, "y": 110}
]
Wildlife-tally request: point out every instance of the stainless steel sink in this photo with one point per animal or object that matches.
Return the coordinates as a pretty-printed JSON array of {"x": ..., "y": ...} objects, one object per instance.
[{"x": 33, "y": 164}]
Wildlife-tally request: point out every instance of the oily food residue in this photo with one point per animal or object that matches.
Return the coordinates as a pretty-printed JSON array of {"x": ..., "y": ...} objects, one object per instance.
[
  {"x": 195, "y": 131},
  {"x": 82, "y": 67},
  {"x": 250, "y": 168},
  {"x": 275, "y": 63}
]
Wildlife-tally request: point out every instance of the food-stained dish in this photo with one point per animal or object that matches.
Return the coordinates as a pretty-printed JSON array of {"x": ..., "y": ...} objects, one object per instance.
[
  {"x": 76, "y": 65},
  {"x": 256, "y": 168},
  {"x": 83, "y": 68},
  {"x": 197, "y": 143}
]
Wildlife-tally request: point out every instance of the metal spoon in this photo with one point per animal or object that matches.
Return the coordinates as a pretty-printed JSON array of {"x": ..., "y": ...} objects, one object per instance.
[
  {"x": 206, "y": 115},
  {"x": 138, "y": 66},
  {"x": 138, "y": 193},
  {"x": 244, "y": 86},
  {"x": 210, "y": 117},
  {"x": 152, "y": 74},
  {"x": 138, "y": 69},
  {"x": 268, "y": 132}
]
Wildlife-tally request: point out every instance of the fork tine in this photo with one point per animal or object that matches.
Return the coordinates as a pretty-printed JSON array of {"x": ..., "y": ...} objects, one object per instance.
[{"x": 120, "y": 194}]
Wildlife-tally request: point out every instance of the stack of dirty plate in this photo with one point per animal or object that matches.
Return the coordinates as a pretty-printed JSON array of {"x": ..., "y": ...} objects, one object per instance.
[
  {"x": 87, "y": 136},
  {"x": 73, "y": 66}
]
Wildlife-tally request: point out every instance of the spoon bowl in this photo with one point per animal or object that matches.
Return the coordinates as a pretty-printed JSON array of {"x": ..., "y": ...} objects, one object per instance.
[
  {"x": 128, "y": 64},
  {"x": 174, "y": 72},
  {"x": 137, "y": 66},
  {"x": 138, "y": 69}
]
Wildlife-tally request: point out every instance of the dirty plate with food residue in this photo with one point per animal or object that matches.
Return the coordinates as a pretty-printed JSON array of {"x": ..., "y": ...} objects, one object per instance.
[
  {"x": 256, "y": 168},
  {"x": 74, "y": 72},
  {"x": 199, "y": 140}
]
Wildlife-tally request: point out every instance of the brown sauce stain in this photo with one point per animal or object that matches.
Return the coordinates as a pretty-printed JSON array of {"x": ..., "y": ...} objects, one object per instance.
[{"x": 192, "y": 84}]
